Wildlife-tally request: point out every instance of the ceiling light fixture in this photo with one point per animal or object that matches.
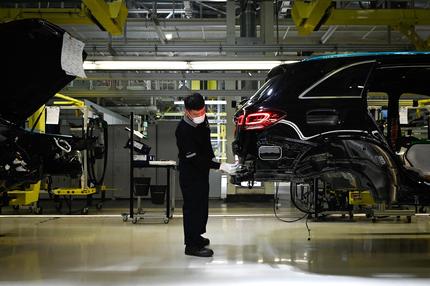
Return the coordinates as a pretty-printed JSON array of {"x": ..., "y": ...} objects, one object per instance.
[
  {"x": 182, "y": 65},
  {"x": 207, "y": 102}
]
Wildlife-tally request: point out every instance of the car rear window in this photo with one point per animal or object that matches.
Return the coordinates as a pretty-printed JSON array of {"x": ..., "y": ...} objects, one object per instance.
[{"x": 269, "y": 88}]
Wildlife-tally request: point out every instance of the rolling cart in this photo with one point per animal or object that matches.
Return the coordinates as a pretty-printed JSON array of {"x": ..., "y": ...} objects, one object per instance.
[{"x": 136, "y": 162}]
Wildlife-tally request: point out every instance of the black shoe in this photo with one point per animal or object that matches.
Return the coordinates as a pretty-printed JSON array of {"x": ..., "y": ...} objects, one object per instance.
[
  {"x": 204, "y": 241},
  {"x": 199, "y": 251}
]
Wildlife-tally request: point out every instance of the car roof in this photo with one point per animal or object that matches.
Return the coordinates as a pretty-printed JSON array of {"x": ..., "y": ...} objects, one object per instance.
[
  {"x": 385, "y": 58},
  {"x": 403, "y": 70},
  {"x": 375, "y": 55}
]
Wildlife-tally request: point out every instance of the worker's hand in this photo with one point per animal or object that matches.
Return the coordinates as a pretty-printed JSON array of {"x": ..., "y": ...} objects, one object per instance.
[{"x": 228, "y": 168}]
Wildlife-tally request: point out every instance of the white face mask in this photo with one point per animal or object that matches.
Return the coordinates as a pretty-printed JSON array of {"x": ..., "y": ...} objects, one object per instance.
[{"x": 200, "y": 119}]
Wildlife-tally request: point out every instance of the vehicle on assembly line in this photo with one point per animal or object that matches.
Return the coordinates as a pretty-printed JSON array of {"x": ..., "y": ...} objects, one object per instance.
[
  {"x": 32, "y": 73},
  {"x": 312, "y": 120}
]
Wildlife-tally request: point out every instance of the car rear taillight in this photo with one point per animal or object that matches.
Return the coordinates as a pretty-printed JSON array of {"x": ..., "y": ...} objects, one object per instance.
[
  {"x": 239, "y": 120},
  {"x": 259, "y": 120}
]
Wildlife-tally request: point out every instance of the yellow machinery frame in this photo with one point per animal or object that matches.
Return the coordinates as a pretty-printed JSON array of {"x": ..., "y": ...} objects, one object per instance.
[
  {"x": 110, "y": 16},
  {"x": 84, "y": 190},
  {"x": 30, "y": 196},
  {"x": 309, "y": 15},
  {"x": 362, "y": 197}
]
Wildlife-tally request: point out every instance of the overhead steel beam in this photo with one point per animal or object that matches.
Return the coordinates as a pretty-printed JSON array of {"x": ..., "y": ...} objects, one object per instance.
[
  {"x": 172, "y": 76},
  {"x": 134, "y": 109},
  {"x": 193, "y": 25},
  {"x": 142, "y": 46},
  {"x": 159, "y": 11},
  {"x": 210, "y": 7},
  {"x": 136, "y": 94},
  {"x": 220, "y": 22}
]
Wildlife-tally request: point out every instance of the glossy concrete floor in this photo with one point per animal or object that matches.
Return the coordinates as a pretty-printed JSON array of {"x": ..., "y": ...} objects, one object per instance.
[{"x": 249, "y": 250}]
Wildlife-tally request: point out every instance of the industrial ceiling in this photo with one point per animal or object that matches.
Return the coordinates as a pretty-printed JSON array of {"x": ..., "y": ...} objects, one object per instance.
[{"x": 142, "y": 30}]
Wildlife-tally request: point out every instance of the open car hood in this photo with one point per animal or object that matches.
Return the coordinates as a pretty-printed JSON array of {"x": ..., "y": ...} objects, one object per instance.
[{"x": 31, "y": 70}]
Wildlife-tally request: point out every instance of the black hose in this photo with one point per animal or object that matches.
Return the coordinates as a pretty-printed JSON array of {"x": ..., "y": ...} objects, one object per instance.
[
  {"x": 91, "y": 160},
  {"x": 274, "y": 208},
  {"x": 306, "y": 215}
]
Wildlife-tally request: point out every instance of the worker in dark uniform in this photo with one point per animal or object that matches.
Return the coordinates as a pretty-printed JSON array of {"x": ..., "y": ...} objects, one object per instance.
[{"x": 196, "y": 158}]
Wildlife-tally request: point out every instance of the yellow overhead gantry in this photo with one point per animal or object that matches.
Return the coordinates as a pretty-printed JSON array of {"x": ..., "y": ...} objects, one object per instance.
[
  {"x": 110, "y": 16},
  {"x": 308, "y": 16}
]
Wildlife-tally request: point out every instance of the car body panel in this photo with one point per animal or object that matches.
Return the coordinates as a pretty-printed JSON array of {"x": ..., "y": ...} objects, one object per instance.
[
  {"x": 31, "y": 62},
  {"x": 32, "y": 74}
]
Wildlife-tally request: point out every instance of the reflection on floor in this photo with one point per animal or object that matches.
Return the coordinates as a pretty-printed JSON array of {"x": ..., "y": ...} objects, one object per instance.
[{"x": 248, "y": 250}]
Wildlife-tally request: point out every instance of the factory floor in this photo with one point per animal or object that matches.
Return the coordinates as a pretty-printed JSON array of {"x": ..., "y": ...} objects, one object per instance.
[{"x": 251, "y": 247}]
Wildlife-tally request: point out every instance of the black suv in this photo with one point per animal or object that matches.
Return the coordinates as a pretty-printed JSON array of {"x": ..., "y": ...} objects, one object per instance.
[{"x": 341, "y": 119}]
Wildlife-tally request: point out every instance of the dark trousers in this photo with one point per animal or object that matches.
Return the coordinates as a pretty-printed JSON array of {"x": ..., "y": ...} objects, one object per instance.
[{"x": 195, "y": 193}]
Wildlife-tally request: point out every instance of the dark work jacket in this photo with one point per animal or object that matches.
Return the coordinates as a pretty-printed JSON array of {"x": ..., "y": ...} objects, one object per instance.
[{"x": 196, "y": 155}]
